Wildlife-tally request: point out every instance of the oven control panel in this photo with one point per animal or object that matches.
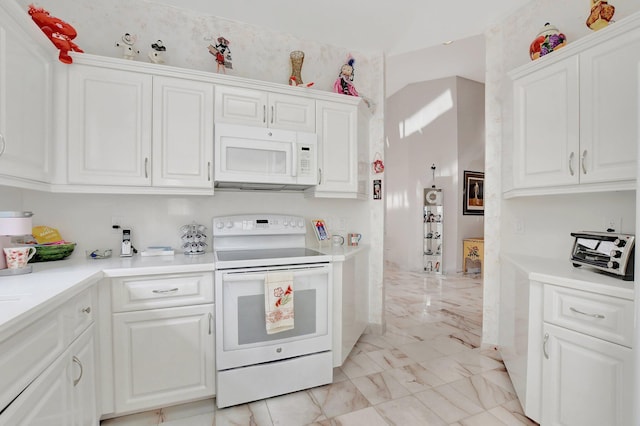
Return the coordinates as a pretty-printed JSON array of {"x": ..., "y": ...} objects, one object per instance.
[{"x": 256, "y": 224}]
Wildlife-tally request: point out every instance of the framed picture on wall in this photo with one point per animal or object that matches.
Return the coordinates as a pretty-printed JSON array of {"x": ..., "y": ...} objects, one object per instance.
[{"x": 473, "y": 193}]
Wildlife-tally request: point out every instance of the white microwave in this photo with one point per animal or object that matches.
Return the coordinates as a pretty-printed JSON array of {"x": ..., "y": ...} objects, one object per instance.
[{"x": 261, "y": 158}]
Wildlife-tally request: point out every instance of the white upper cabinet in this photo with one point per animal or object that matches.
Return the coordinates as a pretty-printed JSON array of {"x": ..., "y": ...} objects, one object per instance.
[
  {"x": 575, "y": 115},
  {"x": 343, "y": 169},
  {"x": 238, "y": 105},
  {"x": 26, "y": 106},
  {"x": 609, "y": 109},
  {"x": 134, "y": 129},
  {"x": 182, "y": 133},
  {"x": 546, "y": 123},
  {"x": 110, "y": 133}
]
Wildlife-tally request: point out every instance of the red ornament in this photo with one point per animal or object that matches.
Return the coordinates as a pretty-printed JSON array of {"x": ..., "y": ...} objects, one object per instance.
[{"x": 59, "y": 32}]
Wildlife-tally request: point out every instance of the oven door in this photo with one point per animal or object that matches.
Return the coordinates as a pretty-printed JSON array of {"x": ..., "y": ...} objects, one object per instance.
[{"x": 241, "y": 333}]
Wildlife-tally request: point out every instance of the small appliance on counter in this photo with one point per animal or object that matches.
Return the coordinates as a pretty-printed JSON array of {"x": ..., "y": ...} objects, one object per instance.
[
  {"x": 13, "y": 224},
  {"x": 194, "y": 238},
  {"x": 609, "y": 252}
]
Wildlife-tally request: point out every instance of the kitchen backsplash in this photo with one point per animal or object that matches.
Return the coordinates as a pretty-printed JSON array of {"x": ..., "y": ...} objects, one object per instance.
[{"x": 155, "y": 220}]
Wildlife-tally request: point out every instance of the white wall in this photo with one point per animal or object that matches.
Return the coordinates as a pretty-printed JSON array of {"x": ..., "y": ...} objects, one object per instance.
[
  {"x": 431, "y": 123},
  {"x": 259, "y": 54},
  {"x": 548, "y": 221}
]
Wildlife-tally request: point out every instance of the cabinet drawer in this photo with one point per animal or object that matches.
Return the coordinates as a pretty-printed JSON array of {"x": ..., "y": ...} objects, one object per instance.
[
  {"x": 605, "y": 317},
  {"x": 161, "y": 291},
  {"x": 24, "y": 355},
  {"x": 78, "y": 313}
]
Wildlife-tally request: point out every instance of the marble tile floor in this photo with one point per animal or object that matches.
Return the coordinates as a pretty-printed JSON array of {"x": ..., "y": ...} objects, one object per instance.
[{"x": 427, "y": 369}]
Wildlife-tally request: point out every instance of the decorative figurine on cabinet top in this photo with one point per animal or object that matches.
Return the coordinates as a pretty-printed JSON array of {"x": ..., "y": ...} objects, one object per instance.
[
  {"x": 344, "y": 82},
  {"x": 156, "y": 55},
  {"x": 59, "y": 32},
  {"x": 222, "y": 52},
  {"x": 548, "y": 40},
  {"x": 601, "y": 14},
  {"x": 127, "y": 43}
]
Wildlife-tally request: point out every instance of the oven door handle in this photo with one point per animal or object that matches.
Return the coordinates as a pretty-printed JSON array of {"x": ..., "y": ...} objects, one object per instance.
[{"x": 252, "y": 276}]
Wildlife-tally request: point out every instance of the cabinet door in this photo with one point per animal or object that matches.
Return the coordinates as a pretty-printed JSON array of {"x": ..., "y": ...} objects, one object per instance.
[
  {"x": 241, "y": 106},
  {"x": 163, "y": 356},
  {"x": 182, "y": 133},
  {"x": 609, "y": 109},
  {"x": 81, "y": 376},
  {"x": 109, "y": 126},
  {"x": 26, "y": 108},
  {"x": 337, "y": 148},
  {"x": 45, "y": 402},
  {"x": 292, "y": 113},
  {"x": 586, "y": 381},
  {"x": 546, "y": 126}
]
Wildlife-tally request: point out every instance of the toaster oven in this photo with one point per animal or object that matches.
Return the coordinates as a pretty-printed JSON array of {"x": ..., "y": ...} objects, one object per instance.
[{"x": 608, "y": 252}]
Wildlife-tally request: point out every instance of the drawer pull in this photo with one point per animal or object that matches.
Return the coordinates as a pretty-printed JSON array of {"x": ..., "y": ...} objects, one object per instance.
[
  {"x": 77, "y": 361},
  {"x": 87, "y": 310},
  {"x": 171, "y": 290},
  {"x": 598, "y": 316},
  {"x": 544, "y": 345},
  {"x": 210, "y": 323}
]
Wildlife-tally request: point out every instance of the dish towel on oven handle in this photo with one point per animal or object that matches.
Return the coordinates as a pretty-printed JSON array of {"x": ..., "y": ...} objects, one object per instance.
[{"x": 278, "y": 301}]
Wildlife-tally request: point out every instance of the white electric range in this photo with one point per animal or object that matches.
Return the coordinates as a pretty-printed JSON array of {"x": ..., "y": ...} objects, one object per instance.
[{"x": 252, "y": 364}]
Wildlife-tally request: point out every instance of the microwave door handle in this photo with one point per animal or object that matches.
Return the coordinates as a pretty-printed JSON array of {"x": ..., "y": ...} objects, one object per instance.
[{"x": 294, "y": 159}]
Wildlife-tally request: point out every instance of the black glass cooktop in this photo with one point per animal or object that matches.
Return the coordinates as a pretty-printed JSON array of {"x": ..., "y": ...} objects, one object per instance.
[{"x": 237, "y": 255}]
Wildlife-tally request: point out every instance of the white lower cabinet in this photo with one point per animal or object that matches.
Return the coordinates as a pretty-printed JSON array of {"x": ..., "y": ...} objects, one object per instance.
[
  {"x": 163, "y": 356},
  {"x": 64, "y": 394},
  {"x": 587, "y": 360},
  {"x": 586, "y": 381},
  {"x": 158, "y": 331},
  {"x": 350, "y": 303}
]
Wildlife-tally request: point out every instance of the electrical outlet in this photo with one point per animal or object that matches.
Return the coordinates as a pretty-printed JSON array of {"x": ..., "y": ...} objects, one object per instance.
[
  {"x": 342, "y": 224},
  {"x": 518, "y": 227},
  {"x": 612, "y": 222},
  {"x": 116, "y": 224}
]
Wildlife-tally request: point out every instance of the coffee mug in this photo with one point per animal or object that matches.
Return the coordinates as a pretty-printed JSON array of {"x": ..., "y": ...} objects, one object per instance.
[
  {"x": 353, "y": 239},
  {"x": 17, "y": 257},
  {"x": 337, "y": 240}
]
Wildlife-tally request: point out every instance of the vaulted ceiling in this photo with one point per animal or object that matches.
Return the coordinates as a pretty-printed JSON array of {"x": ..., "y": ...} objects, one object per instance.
[{"x": 393, "y": 27}]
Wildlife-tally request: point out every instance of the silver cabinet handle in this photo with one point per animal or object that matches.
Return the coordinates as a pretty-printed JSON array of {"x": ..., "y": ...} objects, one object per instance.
[
  {"x": 146, "y": 167},
  {"x": 86, "y": 310},
  {"x": 77, "y": 361},
  {"x": 209, "y": 171},
  {"x": 598, "y": 316},
  {"x": 544, "y": 345},
  {"x": 4, "y": 144},
  {"x": 264, "y": 113},
  {"x": 584, "y": 156},
  {"x": 319, "y": 176},
  {"x": 272, "y": 114},
  {"x": 171, "y": 290},
  {"x": 210, "y": 323},
  {"x": 571, "y": 163}
]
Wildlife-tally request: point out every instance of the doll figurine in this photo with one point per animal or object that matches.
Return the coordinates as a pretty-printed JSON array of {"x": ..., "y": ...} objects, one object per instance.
[
  {"x": 344, "y": 82},
  {"x": 222, "y": 52}
]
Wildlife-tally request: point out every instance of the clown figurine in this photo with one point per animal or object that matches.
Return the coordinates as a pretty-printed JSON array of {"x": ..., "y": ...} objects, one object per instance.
[
  {"x": 128, "y": 49},
  {"x": 344, "y": 82},
  {"x": 156, "y": 55}
]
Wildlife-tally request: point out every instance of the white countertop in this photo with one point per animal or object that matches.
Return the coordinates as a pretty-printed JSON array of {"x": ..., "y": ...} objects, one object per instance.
[
  {"x": 561, "y": 272},
  {"x": 52, "y": 283}
]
